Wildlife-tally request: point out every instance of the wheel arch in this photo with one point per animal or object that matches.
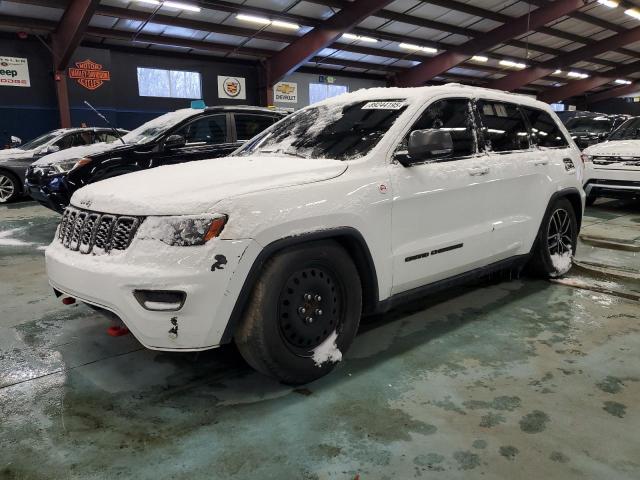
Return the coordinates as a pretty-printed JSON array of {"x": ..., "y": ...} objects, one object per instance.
[
  {"x": 348, "y": 237},
  {"x": 573, "y": 195}
]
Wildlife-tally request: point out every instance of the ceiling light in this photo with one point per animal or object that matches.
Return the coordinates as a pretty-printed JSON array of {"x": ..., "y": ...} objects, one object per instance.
[
  {"x": 609, "y": 3},
  {"x": 557, "y": 72},
  {"x": 620, "y": 81},
  {"x": 577, "y": 75},
  {"x": 480, "y": 58},
  {"x": 411, "y": 46},
  {"x": 509, "y": 63},
  {"x": 359, "y": 38},
  {"x": 170, "y": 4},
  {"x": 253, "y": 19},
  {"x": 281, "y": 24},
  {"x": 632, "y": 12}
]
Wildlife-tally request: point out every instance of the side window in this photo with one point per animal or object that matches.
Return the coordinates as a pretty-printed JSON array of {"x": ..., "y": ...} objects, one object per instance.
[
  {"x": 454, "y": 116},
  {"x": 75, "y": 140},
  {"x": 503, "y": 126},
  {"x": 206, "y": 130},
  {"x": 105, "y": 137},
  {"x": 544, "y": 130},
  {"x": 248, "y": 126}
]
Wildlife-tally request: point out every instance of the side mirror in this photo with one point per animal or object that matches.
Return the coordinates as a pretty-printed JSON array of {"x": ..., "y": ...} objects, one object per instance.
[
  {"x": 427, "y": 145},
  {"x": 15, "y": 141},
  {"x": 174, "y": 141},
  {"x": 49, "y": 149}
]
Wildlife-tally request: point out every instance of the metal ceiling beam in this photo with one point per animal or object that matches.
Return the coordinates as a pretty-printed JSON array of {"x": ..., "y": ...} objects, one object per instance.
[
  {"x": 71, "y": 27},
  {"x": 518, "y": 79},
  {"x": 297, "y": 53},
  {"x": 578, "y": 87},
  {"x": 612, "y": 93},
  {"x": 445, "y": 61}
]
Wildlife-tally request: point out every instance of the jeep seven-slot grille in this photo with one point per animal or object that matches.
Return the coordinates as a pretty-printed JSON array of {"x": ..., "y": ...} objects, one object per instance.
[{"x": 85, "y": 231}]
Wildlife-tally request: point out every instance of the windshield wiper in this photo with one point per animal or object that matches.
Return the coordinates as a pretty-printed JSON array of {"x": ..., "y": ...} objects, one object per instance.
[{"x": 284, "y": 152}]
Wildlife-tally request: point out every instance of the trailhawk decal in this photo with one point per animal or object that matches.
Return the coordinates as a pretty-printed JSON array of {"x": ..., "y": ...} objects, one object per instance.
[{"x": 433, "y": 252}]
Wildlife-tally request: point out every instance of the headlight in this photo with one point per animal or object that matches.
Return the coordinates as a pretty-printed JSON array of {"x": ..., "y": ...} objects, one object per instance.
[
  {"x": 184, "y": 231},
  {"x": 68, "y": 165}
]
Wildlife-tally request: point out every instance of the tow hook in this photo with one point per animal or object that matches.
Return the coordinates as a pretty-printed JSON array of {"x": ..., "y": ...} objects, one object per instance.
[
  {"x": 68, "y": 300},
  {"x": 173, "y": 332}
]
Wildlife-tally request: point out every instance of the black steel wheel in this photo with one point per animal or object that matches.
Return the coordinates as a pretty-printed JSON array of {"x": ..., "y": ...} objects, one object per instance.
[{"x": 307, "y": 295}]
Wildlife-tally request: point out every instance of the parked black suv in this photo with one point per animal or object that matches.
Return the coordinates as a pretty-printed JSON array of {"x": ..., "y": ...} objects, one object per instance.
[
  {"x": 590, "y": 129},
  {"x": 15, "y": 161},
  {"x": 176, "y": 137}
]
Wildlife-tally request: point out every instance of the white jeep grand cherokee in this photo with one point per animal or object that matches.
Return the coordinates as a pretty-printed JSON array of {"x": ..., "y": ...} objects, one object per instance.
[
  {"x": 612, "y": 168},
  {"x": 348, "y": 206}
]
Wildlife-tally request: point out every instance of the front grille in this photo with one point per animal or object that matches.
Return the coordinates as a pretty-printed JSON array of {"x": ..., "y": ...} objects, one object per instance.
[
  {"x": 623, "y": 161},
  {"x": 87, "y": 232}
]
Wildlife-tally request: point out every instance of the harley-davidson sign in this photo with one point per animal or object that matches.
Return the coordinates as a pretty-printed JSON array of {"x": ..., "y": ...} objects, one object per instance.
[{"x": 89, "y": 74}]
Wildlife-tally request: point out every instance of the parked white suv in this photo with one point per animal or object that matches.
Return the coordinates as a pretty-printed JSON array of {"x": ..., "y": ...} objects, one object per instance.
[
  {"x": 612, "y": 168},
  {"x": 349, "y": 206}
]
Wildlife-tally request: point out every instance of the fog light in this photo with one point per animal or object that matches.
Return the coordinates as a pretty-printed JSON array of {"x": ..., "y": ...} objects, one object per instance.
[{"x": 160, "y": 300}]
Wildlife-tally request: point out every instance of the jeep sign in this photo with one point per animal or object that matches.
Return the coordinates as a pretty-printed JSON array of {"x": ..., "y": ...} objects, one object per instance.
[{"x": 14, "y": 72}]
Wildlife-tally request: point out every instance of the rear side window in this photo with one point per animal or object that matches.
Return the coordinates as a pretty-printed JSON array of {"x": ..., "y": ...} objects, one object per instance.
[
  {"x": 75, "y": 140},
  {"x": 454, "y": 116},
  {"x": 544, "y": 129},
  {"x": 205, "y": 130},
  {"x": 503, "y": 126},
  {"x": 248, "y": 126}
]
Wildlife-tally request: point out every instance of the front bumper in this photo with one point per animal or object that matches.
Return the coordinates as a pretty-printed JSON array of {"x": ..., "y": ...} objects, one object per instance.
[
  {"x": 109, "y": 281},
  {"x": 51, "y": 192},
  {"x": 614, "y": 182}
]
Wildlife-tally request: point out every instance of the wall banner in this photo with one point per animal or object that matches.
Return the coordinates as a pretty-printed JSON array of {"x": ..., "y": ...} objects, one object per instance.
[
  {"x": 14, "y": 72},
  {"x": 286, "y": 92},
  {"x": 89, "y": 74},
  {"x": 232, "y": 88}
]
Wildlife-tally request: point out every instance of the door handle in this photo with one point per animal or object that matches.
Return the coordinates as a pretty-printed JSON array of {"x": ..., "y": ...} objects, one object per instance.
[
  {"x": 477, "y": 171},
  {"x": 539, "y": 163}
]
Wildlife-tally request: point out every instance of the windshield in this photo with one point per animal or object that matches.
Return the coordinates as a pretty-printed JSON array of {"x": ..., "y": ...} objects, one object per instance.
[
  {"x": 39, "y": 141},
  {"x": 150, "y": 130},
  {"x": 341, "y": 131},
  {"x": 629, "y": 130},
  {"x": 589, "y": 124}
]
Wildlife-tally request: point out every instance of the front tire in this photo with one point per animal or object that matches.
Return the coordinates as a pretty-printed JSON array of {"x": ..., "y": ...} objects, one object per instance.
[
  {"x": 556, "y": 241},
  {"x": 9, "y": 187},
  {"x": 303, "y": 313}
]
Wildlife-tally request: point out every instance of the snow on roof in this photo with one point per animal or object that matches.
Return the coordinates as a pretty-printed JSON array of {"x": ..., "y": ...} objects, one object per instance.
[{"x": 422, "y": 94}]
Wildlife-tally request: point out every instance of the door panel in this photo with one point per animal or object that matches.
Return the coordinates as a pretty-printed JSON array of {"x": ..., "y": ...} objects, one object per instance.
[
  {"x": 206, "y": 137},
  {"x": 440, "y": 217}
]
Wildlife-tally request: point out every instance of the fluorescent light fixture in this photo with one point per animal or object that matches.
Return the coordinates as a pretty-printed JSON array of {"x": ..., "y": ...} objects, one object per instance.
[
  {"x": 620, "y": 81},
  {"x": 281, "y": 24},
  {"x": 609, "y": 3},
  {"x": 253, "y": 19},
  {"x": 411, "y": 46},
  {"x": 170, "y": 4},
  {"x": 577, "y": 75},
  {"x": 480, "y": 58},
  {"x": 632, "y": 12},
  {"x": 509, "y": 63},
  {"x": 359, "y": 38},
  {"x": 557, "y": 72}
]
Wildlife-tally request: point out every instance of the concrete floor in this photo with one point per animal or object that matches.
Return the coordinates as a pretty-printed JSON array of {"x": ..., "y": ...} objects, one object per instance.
[{"x": 520, "y": 379}]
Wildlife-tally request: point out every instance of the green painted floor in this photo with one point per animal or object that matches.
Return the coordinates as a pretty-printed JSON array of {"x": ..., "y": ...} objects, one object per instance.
[{"x": 499, "y": 379}]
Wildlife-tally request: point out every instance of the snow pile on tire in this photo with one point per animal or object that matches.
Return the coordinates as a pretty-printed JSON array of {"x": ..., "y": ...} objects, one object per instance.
[
  {"x": 561, "y": 263},
  {"x": 327, "y": 351}
]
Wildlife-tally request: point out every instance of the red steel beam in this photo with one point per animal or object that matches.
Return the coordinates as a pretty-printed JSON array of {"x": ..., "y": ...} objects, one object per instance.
[
  {"x": 612, "y": 93},
  {"x": 518, "y": 79},
  {"x": 578, "y": 87},
  {"x": 445, "y": 61},
  {"x": 297, "y": 53},
  {"x": 71, "y": 27}
]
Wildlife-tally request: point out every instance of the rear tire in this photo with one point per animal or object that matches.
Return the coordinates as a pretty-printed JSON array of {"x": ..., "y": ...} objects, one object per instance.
[
  {"x": 556, "y": 241},
  {"x": 9, "y": 187},
  {"x": 307, "y": 295}
]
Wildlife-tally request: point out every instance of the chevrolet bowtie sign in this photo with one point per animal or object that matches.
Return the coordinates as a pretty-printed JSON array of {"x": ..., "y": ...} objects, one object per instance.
[
  {"x": 89, "y": 74},
  {"x": 285, "y": 92}
]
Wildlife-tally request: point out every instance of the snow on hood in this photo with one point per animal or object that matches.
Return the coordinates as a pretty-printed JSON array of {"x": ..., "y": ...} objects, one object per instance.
[
  {"x": 75, "y": 153},
  {"x": 615, "y": 148},
  {"x": 15, "y": 153},
  {"x": 195, "y": 187}
]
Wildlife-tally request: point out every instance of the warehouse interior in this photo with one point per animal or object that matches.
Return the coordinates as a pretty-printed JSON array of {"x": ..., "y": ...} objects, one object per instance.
[{"x": 506, "y": 376}]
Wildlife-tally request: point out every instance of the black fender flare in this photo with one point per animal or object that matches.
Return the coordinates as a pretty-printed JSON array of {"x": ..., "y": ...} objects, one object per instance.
[
  {"x": 573, "y": 195},
  {"x": 348, "y": 237}
]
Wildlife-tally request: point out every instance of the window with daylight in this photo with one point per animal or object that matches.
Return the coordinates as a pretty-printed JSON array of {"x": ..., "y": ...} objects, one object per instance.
[
  {"x": 156, "y": 82},
  {"x": 322, "y": 91}
]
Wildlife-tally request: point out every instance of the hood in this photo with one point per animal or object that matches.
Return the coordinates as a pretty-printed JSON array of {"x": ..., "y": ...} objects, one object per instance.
[
  {"x": 615, "y": 148},
  {"x": 75, "y": 153},
  {"x": 15, "y": 153},
  {"x": 195, "y": 187}
]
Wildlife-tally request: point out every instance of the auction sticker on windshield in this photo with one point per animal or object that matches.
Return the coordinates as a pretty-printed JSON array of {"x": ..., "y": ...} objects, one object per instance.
[{"x": 383, "y": 105}]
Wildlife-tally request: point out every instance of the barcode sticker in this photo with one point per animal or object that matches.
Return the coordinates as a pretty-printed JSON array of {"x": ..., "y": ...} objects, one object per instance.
[{"x": 383, "y": 105}]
